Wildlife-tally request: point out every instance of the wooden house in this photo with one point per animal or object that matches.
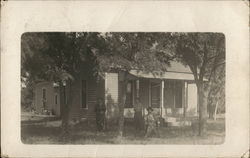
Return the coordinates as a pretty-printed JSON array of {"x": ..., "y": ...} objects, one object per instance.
[{"x": 171, "y": 94}]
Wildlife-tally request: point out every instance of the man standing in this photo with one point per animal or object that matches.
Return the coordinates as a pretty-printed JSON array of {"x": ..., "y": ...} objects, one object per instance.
[{"x": 100, "y": 110}]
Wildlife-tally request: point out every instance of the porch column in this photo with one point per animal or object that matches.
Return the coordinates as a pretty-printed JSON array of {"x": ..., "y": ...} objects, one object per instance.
[
  {"x": 149, "y": 93},
  {"x": 137, "y": 88},
  {"x": 162, "y": 97},
  {"x": 105, "y": 88},
  {"x": 185, "y": 98}
]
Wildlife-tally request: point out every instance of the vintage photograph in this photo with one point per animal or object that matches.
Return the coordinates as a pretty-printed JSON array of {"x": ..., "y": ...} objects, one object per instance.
[{"x": 123, "y": 88}]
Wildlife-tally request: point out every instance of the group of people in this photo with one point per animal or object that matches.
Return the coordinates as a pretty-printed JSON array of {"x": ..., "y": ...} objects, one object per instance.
[{"x": 147, "y": 125}]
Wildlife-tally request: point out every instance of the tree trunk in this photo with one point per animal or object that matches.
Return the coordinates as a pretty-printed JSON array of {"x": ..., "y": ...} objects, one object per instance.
[
  {"x": 215, "y": 110},
  {"x": 202, "y": 103},
  {"x": 121, "y": 106},
  {"x": 210, "y": 111},
  {"x": 64, "y": 113}
]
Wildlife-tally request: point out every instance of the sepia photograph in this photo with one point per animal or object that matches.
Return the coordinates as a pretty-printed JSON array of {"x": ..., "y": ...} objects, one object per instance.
[
  {"x": 125, "y": 79},
  {"x": 123, "y": 88}
]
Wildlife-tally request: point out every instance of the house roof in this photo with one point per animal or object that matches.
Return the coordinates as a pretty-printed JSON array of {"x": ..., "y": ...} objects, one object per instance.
[
  {"x": 178, "y": 67},
  {"x": 176, "y": 70}
]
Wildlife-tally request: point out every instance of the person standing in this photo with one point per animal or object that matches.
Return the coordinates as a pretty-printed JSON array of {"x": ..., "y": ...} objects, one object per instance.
[
  {"x": 151, "y": 123},
  {"x": 100, "y": 110}
]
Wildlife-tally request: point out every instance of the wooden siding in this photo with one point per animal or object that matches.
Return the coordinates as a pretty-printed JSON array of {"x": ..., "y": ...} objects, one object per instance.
[
  {"x": 191, "y": 100},
  {"x": 95, "y": 89},
  {"x": 76, "y": 99}
]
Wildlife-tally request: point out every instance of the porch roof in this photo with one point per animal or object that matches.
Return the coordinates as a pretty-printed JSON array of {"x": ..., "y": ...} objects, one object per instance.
[{"x": 163, "y": 75}]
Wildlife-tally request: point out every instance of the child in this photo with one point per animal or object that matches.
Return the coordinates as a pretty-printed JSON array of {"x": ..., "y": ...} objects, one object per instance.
[{"x": 151, "y": 123}]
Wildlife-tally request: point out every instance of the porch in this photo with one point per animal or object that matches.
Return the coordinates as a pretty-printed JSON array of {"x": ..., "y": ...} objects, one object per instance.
[{"x": 172, "y": 98}]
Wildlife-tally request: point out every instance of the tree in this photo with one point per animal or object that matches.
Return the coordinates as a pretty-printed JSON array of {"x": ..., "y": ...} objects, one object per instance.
[
  {"x": 58, "y": 57},
  {"x": 30, "y": 43},
  {"x": 127, "y": 51},
  {"x": 203, "y": 53},
  {"x": 216, "y": 95}
]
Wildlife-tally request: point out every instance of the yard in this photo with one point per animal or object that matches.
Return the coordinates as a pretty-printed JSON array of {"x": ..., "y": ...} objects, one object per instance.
[{"x": 41, "y": 131}]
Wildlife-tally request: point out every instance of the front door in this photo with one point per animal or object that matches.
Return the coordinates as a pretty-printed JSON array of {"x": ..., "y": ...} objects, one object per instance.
[{"x": 155, "y": 95}]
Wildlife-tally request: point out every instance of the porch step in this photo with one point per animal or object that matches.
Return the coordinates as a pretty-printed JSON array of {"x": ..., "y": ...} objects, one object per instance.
[
  {"x": 173, "y": 119},
  {"x": 180, "y": 123},
  {"x": 177, "y": 121}
]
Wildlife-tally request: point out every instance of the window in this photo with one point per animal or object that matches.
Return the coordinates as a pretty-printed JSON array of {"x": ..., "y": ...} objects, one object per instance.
[
  {"x": 129, "y": 95},
  {"x": 56, "y": 99},
  {"x": 84, "y": 94},
  {"x": 44, "y": 93}
]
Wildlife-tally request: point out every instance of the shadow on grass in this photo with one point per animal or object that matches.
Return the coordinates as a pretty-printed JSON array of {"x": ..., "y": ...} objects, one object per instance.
[
  {"x": 40, "y": 120},
  {"x": 84, "y": 133},
  {"x": 38, "y": 134}
]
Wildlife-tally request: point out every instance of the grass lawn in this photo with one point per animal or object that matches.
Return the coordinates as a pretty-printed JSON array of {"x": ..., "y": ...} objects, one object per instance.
[{"x": 48, "y": 132}]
